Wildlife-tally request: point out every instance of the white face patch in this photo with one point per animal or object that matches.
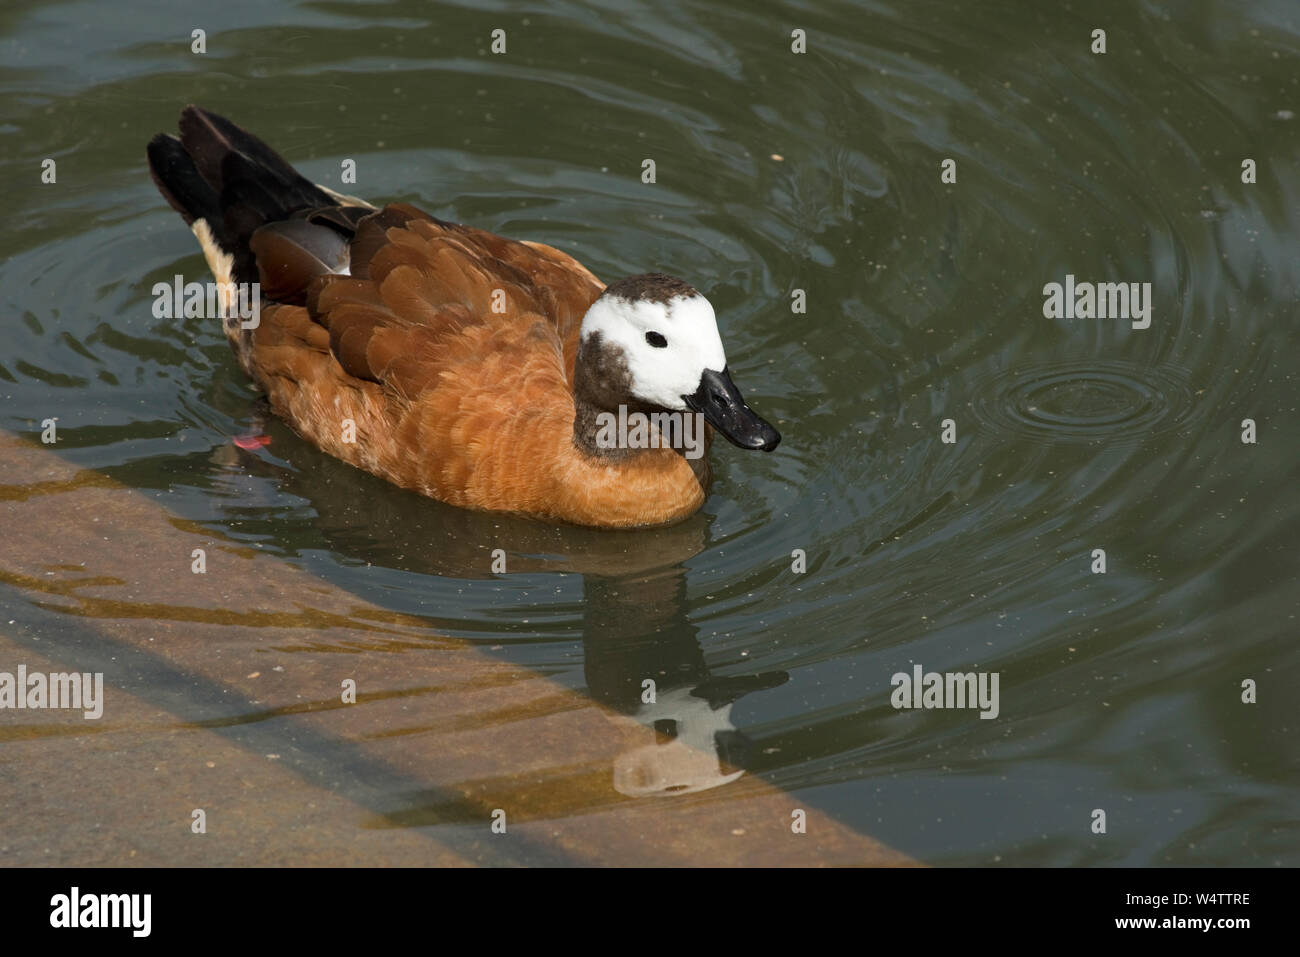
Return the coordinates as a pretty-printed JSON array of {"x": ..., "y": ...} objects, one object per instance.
[{"x": 661, "y": 375}]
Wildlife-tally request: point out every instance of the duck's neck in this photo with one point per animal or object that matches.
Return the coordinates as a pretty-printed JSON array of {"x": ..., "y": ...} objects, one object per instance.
[
  {"x": 601, "y": 385},
  {"x": 592, "y": 398}
]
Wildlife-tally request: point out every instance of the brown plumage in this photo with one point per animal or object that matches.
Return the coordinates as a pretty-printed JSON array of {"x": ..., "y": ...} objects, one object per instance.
[{"x": 445, "y": 396}]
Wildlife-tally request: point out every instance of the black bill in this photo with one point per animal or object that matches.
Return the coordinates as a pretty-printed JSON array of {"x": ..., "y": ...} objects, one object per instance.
[{"x": 724, "y": 408}]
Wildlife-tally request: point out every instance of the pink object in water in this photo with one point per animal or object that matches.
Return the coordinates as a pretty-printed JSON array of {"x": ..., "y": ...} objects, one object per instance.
[{"x": 252, "y": 441}]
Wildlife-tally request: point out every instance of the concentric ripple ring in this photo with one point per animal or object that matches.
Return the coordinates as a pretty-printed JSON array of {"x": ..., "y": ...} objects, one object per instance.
[{"x": 1085, "y": 401}]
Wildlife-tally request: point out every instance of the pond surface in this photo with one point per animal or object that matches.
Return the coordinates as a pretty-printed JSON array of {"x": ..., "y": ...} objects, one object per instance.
[{"x": 775, "y": 172}]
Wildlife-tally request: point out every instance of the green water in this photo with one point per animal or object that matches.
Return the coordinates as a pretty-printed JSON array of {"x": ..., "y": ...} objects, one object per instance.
[{"x": 777, "y": 171}]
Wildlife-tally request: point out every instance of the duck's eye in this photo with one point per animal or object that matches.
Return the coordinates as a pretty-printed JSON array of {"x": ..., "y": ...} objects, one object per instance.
[{"x": 656, "y": 340}]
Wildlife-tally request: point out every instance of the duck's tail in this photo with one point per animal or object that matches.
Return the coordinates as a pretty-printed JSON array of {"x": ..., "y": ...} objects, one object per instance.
[{"x": 228, "y": 185}]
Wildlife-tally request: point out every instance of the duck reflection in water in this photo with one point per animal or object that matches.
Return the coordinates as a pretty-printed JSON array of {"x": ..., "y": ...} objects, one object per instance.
[
  {"x": 635, "y": 628},
  {"x": 643, "y": 660}
]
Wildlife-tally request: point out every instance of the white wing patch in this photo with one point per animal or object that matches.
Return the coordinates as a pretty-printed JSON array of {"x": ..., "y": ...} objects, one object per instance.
[
  {"x": 343, "y": 197},
  {"x": 219, "y": 261}
]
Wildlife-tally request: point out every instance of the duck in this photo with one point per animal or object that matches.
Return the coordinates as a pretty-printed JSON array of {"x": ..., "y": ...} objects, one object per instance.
[{"x": 481, "y": 371}]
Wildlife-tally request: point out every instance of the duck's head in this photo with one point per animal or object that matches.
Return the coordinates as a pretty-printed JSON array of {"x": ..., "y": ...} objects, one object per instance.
[{"x": 655, "y": 339}]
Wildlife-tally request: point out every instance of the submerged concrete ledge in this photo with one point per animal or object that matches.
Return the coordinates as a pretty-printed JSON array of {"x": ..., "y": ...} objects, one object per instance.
[{"x": 223, "y": 694}]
